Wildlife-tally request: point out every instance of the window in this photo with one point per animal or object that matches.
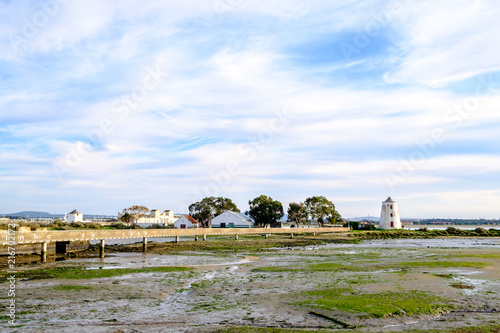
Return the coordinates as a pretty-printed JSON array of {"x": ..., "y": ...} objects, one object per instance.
[
  {"x": 391, "y": 214},
  {"x": 391, "y": 207}
]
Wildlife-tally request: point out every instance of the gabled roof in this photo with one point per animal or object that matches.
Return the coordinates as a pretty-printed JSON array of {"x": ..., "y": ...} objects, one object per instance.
[
  {"x": 75, "y": 212},
  {"x": 389, "y": 200},
  {"x": 191, "y": 219},
  {"x": 239, "y": 215}
]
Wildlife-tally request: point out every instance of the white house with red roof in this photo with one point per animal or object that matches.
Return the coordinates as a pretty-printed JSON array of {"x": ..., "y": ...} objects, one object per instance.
[{"x": 186, "y": 222}]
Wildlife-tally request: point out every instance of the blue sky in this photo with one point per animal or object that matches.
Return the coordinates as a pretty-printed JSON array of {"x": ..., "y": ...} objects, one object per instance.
[{"x": 108, "y": 104}]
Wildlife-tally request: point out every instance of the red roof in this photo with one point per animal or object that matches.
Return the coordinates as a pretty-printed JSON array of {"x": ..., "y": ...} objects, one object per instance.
[{"x": 191, "y": 219}]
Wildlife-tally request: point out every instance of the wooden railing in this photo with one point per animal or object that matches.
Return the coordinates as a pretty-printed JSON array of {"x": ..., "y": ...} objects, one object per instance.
[{"x": 85, "y": 235}]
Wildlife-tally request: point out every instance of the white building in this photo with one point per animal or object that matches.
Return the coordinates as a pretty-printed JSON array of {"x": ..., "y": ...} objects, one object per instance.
[
  {"x": 389, "y": 216},
  {"x": 74, "y": 216},
  {"x": 186, "y": 222},
  {"x": 156, "y": 218},
  {"x": 232, "y": 219}
]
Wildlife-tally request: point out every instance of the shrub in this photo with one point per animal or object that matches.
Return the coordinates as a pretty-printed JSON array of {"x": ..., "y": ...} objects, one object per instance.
[
  {"x": 80, "y": 225},
  {"x": 119, "y": 225},
  {"x": 480, "y": 231}
]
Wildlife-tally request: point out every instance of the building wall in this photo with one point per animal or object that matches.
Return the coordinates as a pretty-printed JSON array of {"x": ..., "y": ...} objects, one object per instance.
[
  {"x": 389, "y": 216},
  {"x": 184, "y": 221},
  {"x": 165, "y": 219},
  {"x": 228, "y": 220},
  {"x": 75, "y": 218}
]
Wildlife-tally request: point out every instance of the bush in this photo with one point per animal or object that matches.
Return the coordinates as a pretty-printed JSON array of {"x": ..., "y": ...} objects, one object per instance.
[
  {"x": 158, "y": 227},
  {"x": 33, "y": 226},
  {"x": 79, "y": 225},
  {"x": 119, "y": 225},
  {"x": 480, "y": 231}
]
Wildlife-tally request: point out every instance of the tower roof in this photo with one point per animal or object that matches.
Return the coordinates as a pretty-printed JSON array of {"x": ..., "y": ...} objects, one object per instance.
[
  {"x": 75, "y": 212},
  {"x": 389, "y": 200}
]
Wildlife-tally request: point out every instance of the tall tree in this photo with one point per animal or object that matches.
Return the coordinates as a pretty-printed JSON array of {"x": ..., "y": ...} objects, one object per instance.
[
  {"x": 125, "y": 217},
  {"x": 320, "y": 209},
  {"x": 206, "y": 209},
  {"x": 335, "y": 218},
  {"x": 296, "y": 212},
  {"x": 225, "y": 204},
  {"x": 135, "y": 212},
  {"x": 265, "y": 211}
]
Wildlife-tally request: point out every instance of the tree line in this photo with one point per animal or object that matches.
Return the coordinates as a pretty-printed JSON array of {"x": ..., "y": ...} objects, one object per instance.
[{"x": 264, "y": 210}]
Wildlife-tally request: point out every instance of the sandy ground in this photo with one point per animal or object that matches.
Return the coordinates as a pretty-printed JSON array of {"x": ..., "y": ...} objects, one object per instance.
[{"x": 223, "y": 290}]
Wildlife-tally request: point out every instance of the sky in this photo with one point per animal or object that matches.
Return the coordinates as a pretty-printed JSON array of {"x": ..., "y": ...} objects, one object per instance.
[{"x": 109, "y": 104}]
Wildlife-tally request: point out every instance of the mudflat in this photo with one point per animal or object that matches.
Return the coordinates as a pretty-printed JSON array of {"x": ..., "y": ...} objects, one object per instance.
[{"x": 277, "y": 285}]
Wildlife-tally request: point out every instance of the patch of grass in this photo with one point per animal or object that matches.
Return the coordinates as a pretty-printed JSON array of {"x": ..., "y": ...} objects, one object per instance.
[
  {"x": 72, "y": 287},
  {"x": 480, "y": 255},
  {"x": 80, "y": 273},
  {"x": 377, "y": 305},
  {"x": 324, "y": 267},
  {"x": 445, "y": 264}
]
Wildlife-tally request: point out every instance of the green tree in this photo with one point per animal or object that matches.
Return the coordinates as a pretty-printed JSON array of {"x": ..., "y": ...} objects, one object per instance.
[
  {"x": 206, "y": 209},
  {"x": 225, "y": 204},
  {"x": 265, "y": 211},
  {"x": 335, "y": 218},
  {"x": 296, "y": 212},
  {"x": 125, "y": 217},
  {"x": 136, "y": 212},
  {"x": 321, "y": 209}
]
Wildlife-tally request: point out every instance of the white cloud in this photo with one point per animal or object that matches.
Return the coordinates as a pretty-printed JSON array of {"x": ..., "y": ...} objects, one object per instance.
[{"x": 447, "y": 41}]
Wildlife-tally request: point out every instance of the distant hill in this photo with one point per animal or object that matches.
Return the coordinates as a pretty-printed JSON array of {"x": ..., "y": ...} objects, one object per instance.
[
  {"x": 34, "y": 214},
  {"x": 369, "y": 218},
  {"x": 30, "y": 213}
]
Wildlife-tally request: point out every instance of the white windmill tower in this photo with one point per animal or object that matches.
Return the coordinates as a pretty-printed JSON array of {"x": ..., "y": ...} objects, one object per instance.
[{"x": 389, "y": 216}]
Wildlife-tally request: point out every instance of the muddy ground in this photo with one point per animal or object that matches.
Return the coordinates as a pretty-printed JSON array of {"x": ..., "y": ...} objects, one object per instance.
[{"x": 226, "y": 288}]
